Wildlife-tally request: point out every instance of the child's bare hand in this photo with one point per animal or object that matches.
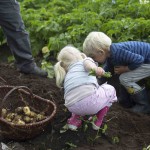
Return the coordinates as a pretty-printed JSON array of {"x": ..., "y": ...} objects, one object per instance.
[
  {"x": 100, "y": 71},
  {"x": 121, "y": 69}
]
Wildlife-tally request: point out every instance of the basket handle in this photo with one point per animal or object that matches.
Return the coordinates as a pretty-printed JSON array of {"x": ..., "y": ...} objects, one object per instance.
[
  {"x": 2, "y": 80},
  {"x": 12, "y": 90}
]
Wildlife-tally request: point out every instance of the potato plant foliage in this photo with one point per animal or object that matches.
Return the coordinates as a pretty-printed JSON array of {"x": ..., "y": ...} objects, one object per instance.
[{"x": 57, "y": 23}]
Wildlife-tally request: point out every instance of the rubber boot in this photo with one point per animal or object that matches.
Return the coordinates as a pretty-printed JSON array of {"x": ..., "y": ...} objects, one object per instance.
[
  {"x": 142, "y": 102},
  {"x": 100, "y": 115},
  {"x": 32, "y": 68},
  {"x": 74, "y": 122},
  {"x": 124, "y": 98}
]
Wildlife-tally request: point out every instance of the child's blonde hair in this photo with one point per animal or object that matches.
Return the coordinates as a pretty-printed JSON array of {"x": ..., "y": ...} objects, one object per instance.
[
  {"x": 67, "y": 56},
  {"x": 96, "y": 42}
]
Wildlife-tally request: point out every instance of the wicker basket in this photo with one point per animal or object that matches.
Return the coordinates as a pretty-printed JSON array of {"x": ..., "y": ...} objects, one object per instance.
[
  {"x": 2, "y": 81},
  {"x": 12, "y": 97}
]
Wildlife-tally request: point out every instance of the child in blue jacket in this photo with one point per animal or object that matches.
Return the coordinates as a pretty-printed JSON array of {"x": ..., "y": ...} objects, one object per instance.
[{"x": 130, "y": 60}]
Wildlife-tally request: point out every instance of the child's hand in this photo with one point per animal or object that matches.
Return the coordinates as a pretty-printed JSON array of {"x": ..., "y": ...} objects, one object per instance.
[
  {"x": 121, "y": 69},
  {"x": 99, "y": 71},
  {"x": 102, "y": 72}
]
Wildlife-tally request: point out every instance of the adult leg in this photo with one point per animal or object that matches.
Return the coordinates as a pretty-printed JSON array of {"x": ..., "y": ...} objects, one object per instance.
[{"x": 17, "y": 38}]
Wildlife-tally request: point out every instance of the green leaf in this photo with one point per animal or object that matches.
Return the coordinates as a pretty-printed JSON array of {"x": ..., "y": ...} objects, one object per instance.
[{"x": 106, "y": 74}]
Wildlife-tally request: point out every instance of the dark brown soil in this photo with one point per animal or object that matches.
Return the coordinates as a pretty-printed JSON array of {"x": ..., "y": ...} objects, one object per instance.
[{"x": 132, "y": 130}]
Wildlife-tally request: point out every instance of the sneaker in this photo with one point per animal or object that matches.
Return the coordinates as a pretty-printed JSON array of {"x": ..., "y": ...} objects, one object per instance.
[
  {"x": 74, "y": 122},
  {"x": 33, "y": 69}
]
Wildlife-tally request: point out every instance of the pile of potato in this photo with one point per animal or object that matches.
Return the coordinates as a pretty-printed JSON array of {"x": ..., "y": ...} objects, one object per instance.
[{"x": 22, "y": 116}]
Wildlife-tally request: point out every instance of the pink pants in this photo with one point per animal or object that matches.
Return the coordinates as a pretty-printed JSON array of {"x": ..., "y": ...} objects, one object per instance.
[{"x": 104, "y": 96}]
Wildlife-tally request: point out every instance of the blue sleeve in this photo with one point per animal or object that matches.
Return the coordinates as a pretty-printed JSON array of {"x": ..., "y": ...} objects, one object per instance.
[{"x": 132, "y": 60}]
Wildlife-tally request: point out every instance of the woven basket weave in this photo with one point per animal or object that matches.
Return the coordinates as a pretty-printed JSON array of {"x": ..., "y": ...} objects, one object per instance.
[{"x": 12, "y": 97}]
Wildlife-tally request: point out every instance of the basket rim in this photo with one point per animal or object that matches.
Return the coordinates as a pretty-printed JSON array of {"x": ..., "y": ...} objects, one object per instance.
[
  {"x": 36, "y": 123},
  {"x": 32, "y": 124},
  {"x": 2, "y": 86}
]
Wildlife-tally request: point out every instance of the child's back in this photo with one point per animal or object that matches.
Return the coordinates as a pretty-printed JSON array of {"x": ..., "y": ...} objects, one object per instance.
[{"x": 83, "y": 96}]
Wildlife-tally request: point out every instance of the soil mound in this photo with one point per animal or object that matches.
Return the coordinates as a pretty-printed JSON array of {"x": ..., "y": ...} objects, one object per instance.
[{"x": 126, "y": 130}]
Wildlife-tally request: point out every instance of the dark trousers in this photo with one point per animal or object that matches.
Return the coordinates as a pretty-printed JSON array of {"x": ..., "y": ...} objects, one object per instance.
[{"x": 14, "y": 30}]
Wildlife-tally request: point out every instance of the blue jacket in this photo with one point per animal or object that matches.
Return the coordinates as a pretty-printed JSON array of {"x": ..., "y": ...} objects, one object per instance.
[{"x": 131, "y": 54}]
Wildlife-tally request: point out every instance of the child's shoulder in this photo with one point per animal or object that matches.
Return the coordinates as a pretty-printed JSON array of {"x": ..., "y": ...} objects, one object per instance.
[
  {"x": 133, "y": 43},
  {"x": 88, "y": 58}
]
